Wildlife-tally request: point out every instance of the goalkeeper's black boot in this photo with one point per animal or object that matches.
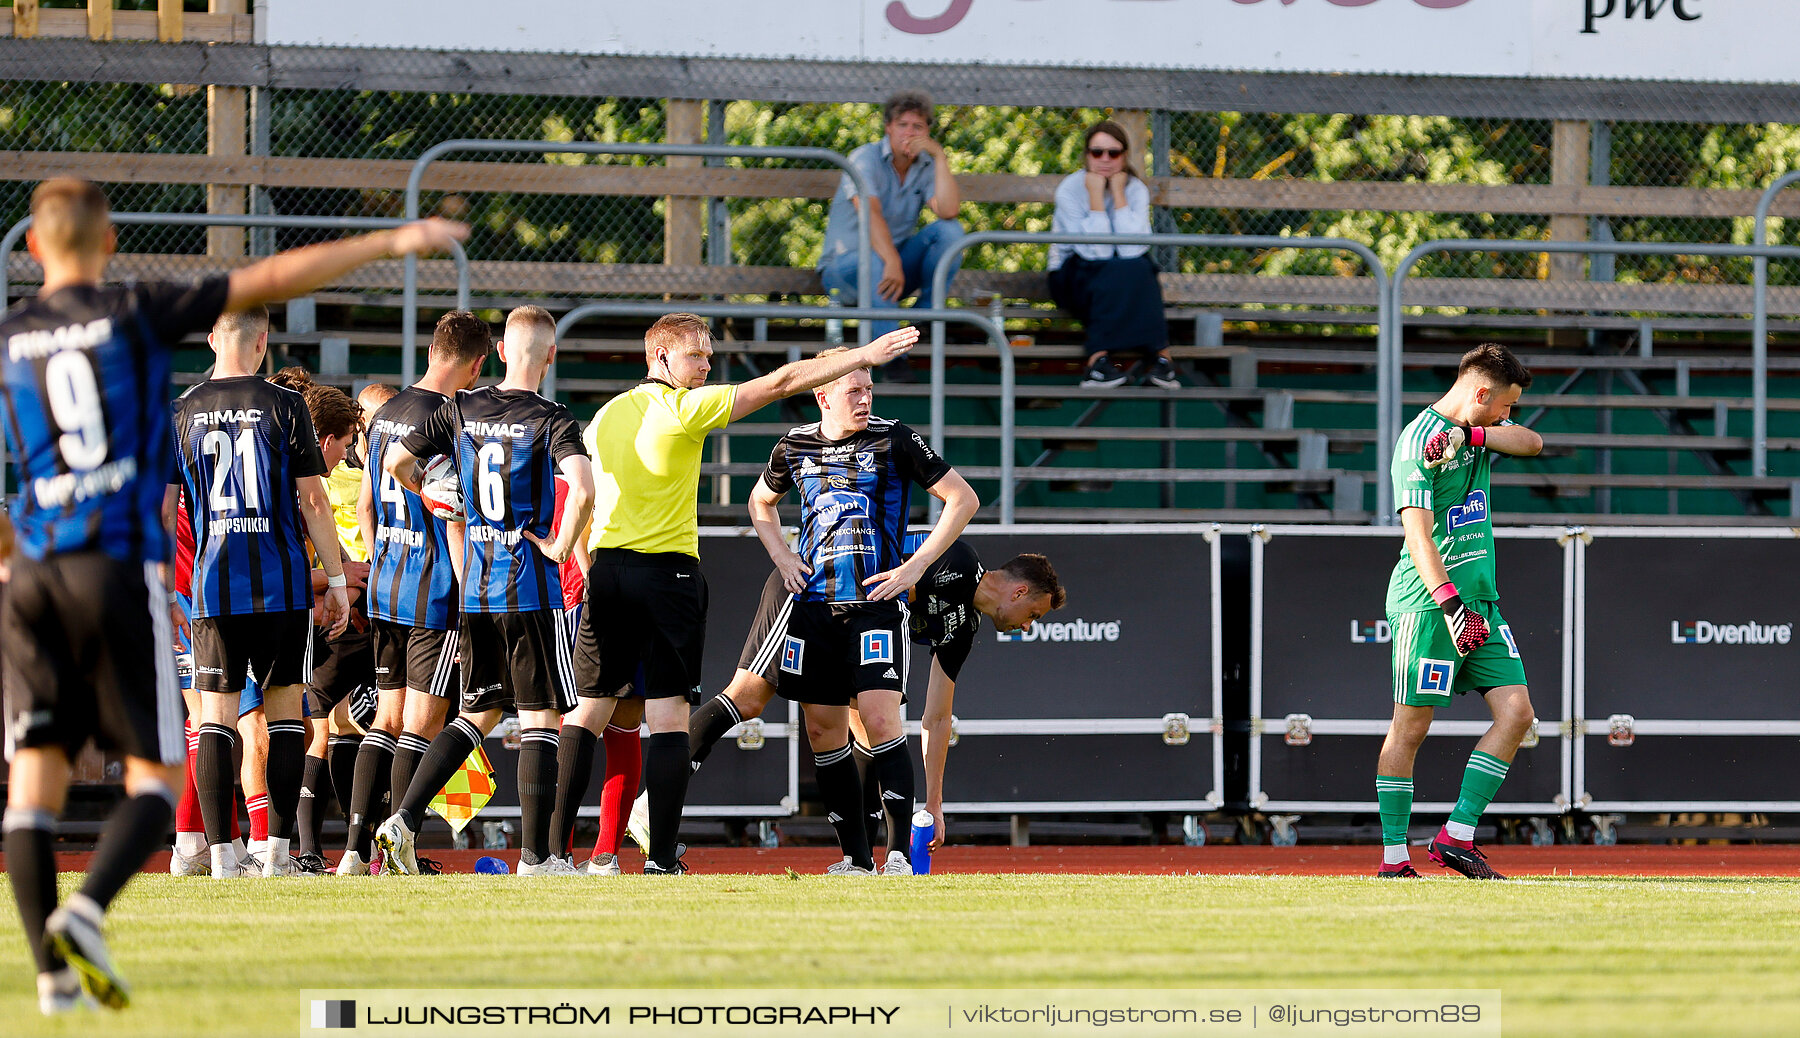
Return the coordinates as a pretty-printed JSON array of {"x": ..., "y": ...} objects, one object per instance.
[{"x": 1461, "y": 856}]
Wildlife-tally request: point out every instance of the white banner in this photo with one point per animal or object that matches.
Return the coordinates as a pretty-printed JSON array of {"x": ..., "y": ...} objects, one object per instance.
[{"x": 1708, "y": 40}]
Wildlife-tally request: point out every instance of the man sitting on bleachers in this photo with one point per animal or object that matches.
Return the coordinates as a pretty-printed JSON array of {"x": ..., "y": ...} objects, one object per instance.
[{"x": 906, "y": 171}]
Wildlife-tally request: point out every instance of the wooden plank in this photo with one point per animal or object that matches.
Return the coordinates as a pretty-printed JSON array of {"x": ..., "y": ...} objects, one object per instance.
[
  {"x": 227, "y": 137},
  {"x": 63, "y": 24},
  {"x": 596, "y": 178},
  {"x": 100, "y": 19},
  {"x": 1568, "y": 168},
  {"x": 577, "y": 279},
  {"x": 25, "y": 18},
  {"x": 168, "y": 21},
  {"x": 684, "y": 220}
]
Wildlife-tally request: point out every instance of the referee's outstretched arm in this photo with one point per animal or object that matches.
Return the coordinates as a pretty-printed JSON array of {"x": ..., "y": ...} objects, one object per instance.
[{"x": 813, "y": 372}]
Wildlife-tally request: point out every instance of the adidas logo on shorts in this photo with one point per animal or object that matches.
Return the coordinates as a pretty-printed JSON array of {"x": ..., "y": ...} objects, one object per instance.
[{"x": 890, "y": 675}]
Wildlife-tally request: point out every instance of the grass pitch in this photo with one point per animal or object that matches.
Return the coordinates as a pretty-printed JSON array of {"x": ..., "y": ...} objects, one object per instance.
[{"x": 1571, "y": 956}]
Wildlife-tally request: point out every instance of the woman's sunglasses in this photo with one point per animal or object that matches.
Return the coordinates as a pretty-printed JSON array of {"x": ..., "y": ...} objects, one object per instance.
[{"x": 1106, "y": 153}]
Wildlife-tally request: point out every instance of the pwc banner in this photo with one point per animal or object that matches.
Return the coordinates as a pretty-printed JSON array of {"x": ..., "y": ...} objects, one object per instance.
[{"x": 1707, "y": 40}]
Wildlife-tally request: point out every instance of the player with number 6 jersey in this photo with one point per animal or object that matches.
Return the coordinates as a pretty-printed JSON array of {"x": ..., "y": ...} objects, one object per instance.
[
  {"x": 414, "y": 623},
  {"x": 1441, "y": 488},
  {"x": 509, "y": 444}
]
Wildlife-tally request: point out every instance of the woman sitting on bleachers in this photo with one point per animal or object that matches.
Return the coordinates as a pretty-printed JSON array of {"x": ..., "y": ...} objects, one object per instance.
[{"x": 1111, "y": 289}]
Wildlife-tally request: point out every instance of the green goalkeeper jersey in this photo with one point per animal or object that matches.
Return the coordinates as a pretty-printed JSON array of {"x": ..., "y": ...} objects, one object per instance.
[{"x": 1456, "y": 495}]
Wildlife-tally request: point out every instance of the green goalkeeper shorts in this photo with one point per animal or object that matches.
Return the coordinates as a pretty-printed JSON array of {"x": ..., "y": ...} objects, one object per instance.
[{"x": 1427, "y": 670}]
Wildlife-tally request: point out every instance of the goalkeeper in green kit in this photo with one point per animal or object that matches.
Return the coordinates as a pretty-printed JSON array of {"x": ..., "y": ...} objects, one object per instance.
[{"x": 1443, "y": 604}]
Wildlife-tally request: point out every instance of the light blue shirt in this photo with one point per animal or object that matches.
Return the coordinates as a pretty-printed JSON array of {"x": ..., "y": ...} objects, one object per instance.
[
  {"x": 1073, "y": 216},
  {"x": 902, "y": 199}
]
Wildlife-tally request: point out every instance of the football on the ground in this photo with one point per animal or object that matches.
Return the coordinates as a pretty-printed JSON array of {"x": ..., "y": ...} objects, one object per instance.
[{"x": 441, "y": 491}]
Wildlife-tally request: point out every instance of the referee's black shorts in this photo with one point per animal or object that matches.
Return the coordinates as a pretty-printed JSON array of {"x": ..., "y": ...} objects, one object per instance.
[
  {"x": 88, "y": 650},
  {"x": 644, "y": 608}
]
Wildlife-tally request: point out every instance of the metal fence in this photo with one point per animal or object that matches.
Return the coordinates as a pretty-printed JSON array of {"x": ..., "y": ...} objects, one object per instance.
[{"x": 165, "y": 119}]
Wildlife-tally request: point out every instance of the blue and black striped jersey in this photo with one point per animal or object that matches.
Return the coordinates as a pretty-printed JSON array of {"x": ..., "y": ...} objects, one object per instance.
[
  {"x": 241, "y": 442},
  {"x": 410, "y": 576},
  {"x": 86, "y": 409},
  {"x": 508, "y": 444},
  {"x": 854, "y": 496}
]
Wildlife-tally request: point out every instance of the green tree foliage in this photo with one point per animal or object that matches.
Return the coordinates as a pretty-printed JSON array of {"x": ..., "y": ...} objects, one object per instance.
[{"x": 981, "y": 139}]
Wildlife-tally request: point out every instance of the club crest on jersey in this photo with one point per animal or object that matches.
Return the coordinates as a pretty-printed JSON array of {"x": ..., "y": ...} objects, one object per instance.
[
  {"x": 1474, "y": 509},
  {"x": 877, "y": 647},
  {"x": 1434, "y": 677},
  {"x": 865, "y": 460},
  {"x": 793, "y": 655}
]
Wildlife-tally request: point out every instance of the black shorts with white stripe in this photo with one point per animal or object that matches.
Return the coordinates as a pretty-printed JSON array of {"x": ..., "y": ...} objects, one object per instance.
[
  {"x": 517, "y": 660},
  {"x": 762, "y": 646},
  {"x": 86, "y": 642},
  {"x": 832, "y": 652},
  {"x": 418, "y": 658},
  {"x": 276, "y": 647}
]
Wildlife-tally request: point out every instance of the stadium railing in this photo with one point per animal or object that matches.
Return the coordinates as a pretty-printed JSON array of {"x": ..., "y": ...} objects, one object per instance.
[
  {"x": 415, "y": 180},
  {"x": 1394, "y": 332}
]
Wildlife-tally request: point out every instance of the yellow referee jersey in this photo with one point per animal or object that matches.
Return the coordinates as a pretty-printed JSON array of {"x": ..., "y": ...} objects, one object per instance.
[
  {"x": 342, "y": 486},
  {"x": 645, "y": 445}
]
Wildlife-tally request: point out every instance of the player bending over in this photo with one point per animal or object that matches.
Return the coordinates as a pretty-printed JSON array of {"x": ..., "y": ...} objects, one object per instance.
[{"x": 1441, "y": 470}]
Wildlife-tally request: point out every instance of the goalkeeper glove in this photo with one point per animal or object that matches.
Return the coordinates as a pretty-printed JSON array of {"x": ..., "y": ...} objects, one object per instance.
[
  {"x": 1468, "y": 629},
  {"x": 1442, "y": 447}
]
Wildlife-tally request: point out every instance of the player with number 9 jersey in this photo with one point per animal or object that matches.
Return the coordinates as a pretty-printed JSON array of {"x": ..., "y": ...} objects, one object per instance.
[{"x": 241, "y": 442}]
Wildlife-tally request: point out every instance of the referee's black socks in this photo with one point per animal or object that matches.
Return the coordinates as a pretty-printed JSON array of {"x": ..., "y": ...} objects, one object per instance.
[
  {"x": 537, "y": 793},
  {"x": 666, "y": 771},
  {"x": 709, "y": 723},
  {"x": 893, "y": 766},
  {"x": 841, "y": 791},
  {"x": 452, "y": 746},
  {"x": 309, "y": 814},
  {"x": 574, "y": 768}
]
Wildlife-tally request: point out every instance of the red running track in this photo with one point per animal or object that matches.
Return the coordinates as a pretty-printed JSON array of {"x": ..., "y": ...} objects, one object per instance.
[{"x": 1561, "y": 860}]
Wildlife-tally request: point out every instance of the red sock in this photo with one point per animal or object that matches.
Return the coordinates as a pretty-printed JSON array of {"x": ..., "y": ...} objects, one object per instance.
[
  {"x": 624, "y": 769},
  {"x": 259, "y": 816},
  {"x": 187, "y": 809}
]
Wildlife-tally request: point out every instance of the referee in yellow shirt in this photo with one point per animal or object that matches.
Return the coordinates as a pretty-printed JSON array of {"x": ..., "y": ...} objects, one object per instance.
[{"x": 646, "y": 597}]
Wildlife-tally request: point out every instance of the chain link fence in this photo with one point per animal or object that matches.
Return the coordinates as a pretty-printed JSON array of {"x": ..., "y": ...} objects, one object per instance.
[{"x": 982, "y": 139}]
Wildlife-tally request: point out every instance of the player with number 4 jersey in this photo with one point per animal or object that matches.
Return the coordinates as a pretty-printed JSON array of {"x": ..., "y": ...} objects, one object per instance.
[{"x": 1443, "y": 604}]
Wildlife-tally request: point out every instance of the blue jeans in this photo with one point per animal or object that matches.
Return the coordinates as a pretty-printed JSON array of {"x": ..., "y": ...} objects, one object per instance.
[{"x": 919, "y": 257}]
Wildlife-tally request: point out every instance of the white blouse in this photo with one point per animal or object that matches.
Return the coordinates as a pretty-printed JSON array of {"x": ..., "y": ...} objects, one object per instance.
[{"x": 1074, "y": 217}]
